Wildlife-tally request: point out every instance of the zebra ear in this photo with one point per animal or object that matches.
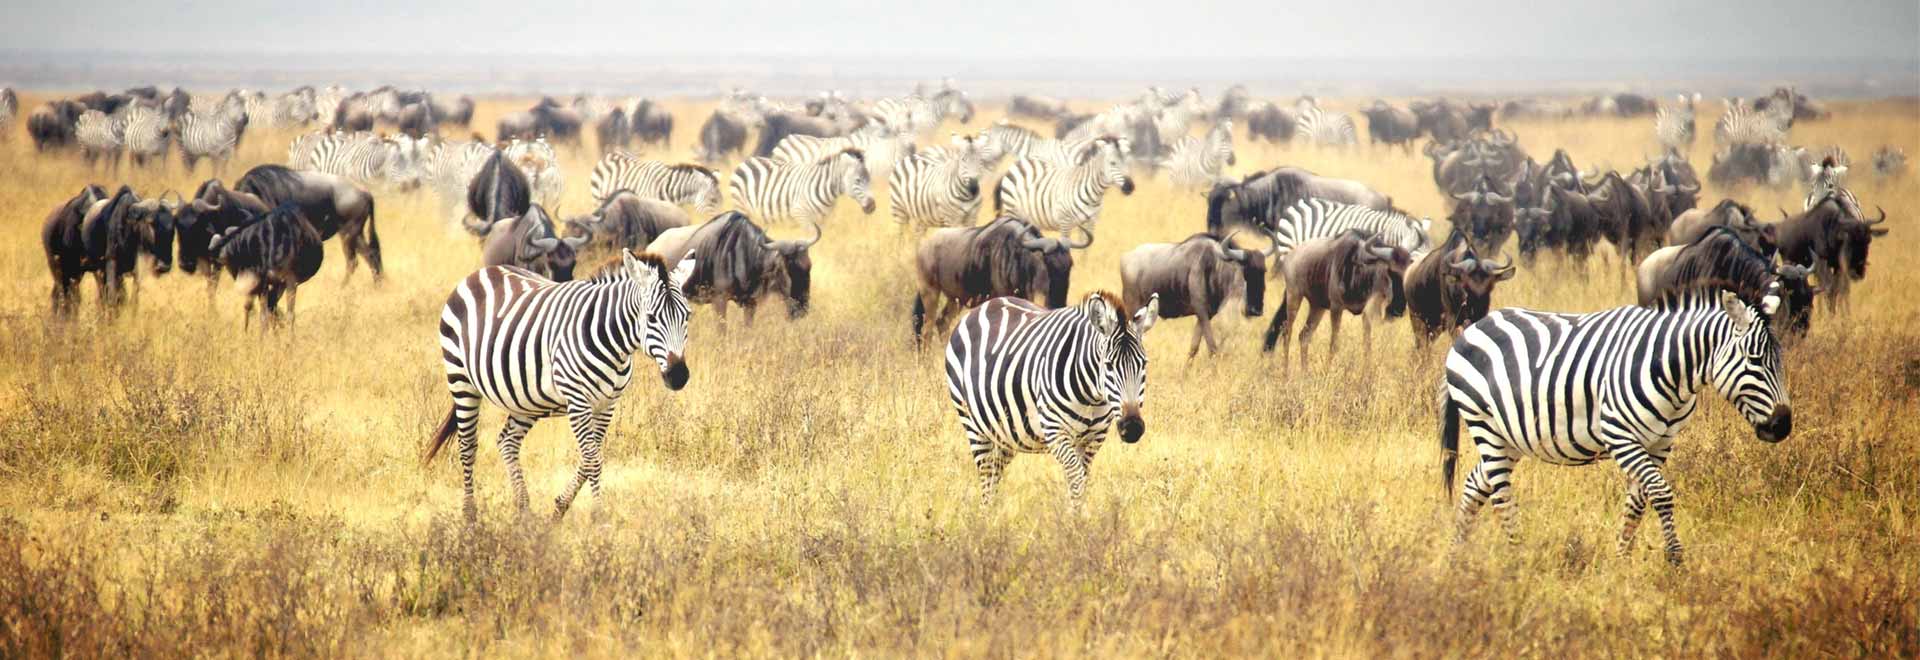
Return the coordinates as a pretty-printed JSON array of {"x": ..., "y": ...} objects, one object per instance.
[
  {"x": 1144, "y": 319},
  {"x": 683, "y": 271},
  {"x": 1737, "y": 311}
]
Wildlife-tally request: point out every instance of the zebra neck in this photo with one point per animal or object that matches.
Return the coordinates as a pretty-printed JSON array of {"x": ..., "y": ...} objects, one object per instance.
[{"x": 625, "y": 327}]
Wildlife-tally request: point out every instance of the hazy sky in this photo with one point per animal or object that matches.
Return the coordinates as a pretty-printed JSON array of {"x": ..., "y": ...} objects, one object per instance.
[{"x": 987, "y": 29}]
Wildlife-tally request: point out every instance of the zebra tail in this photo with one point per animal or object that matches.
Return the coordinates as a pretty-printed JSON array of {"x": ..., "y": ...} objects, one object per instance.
[
  {"x": 1449, "y": 440},
  {"x": 438, "y": 440}
]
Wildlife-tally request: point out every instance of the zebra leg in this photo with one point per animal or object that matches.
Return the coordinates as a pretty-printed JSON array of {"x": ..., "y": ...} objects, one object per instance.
[
  {"x": 1645, "y": 470},
  {"x": 991, "y": 462},
  {"x": 589, "y": 428},
  {"x": 1474, "y": 492},
  {"x": 1499, "y": 476},
  {"x": 1636, "y": 505},
  {"x": 514, "y": 431},
  {"x": 466, "y": 424},
  {"x": 1074, "y": 463}
]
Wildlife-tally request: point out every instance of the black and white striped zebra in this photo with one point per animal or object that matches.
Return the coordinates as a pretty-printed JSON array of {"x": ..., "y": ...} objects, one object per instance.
[
  {"x": 449, "y": 167},
  {"x": 1026, "y": 380},
  {"x": 210, "y": 136},
  {"x": 1575, "y": 389},
  {"x": 939, "y": 188},
  {"x": 147, "y": 133},
  {"x": 881, "y": 145},
  {"x": 772, "y": 192},
  {"x": 363, "y": 158},
  {"x": 539, "y": 349},
  {"x": 1741, "y": 124},
  {"x": 1318, "y": 127},
  {"x": 1059, "y": 197},
  {"x": 685, "y": 184},
  {"x": 1674, "y": 127},
  {"x": 99, "y": 136},
  {"x": 1829, "y": 180},
  {"x": 1196, "y": 161},
  {"x": 920, "y": 114},
  {"x": 1312, "y": 218},
  {"x": 537, "y": 159}
]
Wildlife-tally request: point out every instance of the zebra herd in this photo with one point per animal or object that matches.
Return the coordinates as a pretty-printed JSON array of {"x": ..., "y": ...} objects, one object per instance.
[{"x": 1026, "y": 378}]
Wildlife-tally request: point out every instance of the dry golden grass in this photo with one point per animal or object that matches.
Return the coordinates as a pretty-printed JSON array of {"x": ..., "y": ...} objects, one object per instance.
[{"x": 170, "y": 485}]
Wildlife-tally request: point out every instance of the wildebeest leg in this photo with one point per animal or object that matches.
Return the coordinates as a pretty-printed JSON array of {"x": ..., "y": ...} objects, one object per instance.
[
  {"x": 746, "y": 310},
  {"x": 350, "y": 243},
  {"x": 293, "y": 311},
  {"x": 246, "y": 320},
  {"x": 720, "y": 311},
  {"x": 1203, "y": 328},
  {"x": 1306, "y": 332},
  {"x": 1282, "y": 325},
  {"x": 1333, "y": 342}
]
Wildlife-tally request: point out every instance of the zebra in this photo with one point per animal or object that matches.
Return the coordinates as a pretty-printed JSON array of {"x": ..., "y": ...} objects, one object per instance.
[
  {"x": 937, "y": 188},
  {"x": 211, "y": 136},
  {"x": 540, "y": 349},
  {"x": 882, "y": 146},
  {"x": 686, "y": 183},
  {"x": 360, "y": 157},
  {"x": 448, "y": 167},
  {"x": 100, "y": 136},
  {"x": 9, "y": 110},
  {"x": 1059, "y": 197},
  {"x": 1318, "y": 127},
  {"x": 920, "y": 114},
  {"x": 771, "y": 192},
  {"x": 1004, "y": 139},
  {"x": 542, "y": 165},
  {"x": 1028, "y": 380},
  {"x": 1573, "y": 389},
  {"x": 1195, "y": 162},
  {"x": 146, "y": 132},
  {"x": 1741, "y": 124},
  {"x": 1674, "y": 127},
  {"x": 1827, "y": 181},
  {"x": 1312, "y": 218}
]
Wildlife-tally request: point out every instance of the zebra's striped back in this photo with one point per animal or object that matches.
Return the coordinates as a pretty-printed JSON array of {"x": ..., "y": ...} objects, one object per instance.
[
  {"x": 881, "y": 146},
  {"x": 1674, "y": 127},
  {"x": 208, "y": 136},
  {"x": 358, "y": 157},
  {"x": 1741, "y": 124},
  {"x": 1312, "y": 218},
  {"x": 1196, "y": 161},
  {"x": 1059, "y": 197},
  {"x": 685, "y": 184},
  {"x": 1027, "y": 380},
  {"x": 98, "y": 132},
  {"x": 938, "y": 189},
  {"x": 1327, "y": 129},
  {"x": 771, "y": 192},
  {"x": 145, "y": 132},
  {"x": 1828, "y": 180}
]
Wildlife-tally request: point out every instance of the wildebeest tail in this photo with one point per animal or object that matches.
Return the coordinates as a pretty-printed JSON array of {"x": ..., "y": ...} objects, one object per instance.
[
  {"x": 439, "y": 438},
  {"x": 1273, "y": 329},
  {"x": 919, "y": 316},
  {"x": 373, "y": 241},
  {"x": 1449, "y": 439}
]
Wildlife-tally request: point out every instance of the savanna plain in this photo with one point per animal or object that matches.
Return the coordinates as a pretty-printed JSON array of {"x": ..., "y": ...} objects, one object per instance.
[{"x": 171, "y": 485}]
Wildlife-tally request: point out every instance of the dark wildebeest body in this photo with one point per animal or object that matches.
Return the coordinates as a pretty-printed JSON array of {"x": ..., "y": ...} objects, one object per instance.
[
  {"x": 1626, "y": 217},
  {"x": 418, "y": 120},
  {"x": 629, "y": 221},
  {"x": 612, "y": 131},
  {"x": 966, "y": 266},
  {"x": 1270, "y": 122},
  {"x": 739, "y": 263},
  {"x": 1442, "y": 120},
  {"x": 1693, "y": 224},
  {"x": 1340, "y": 273},
  {"x": 51, "y": 125},
  {"x": 650, "y": 124},
  {"x": 1036, "y": 107},
  {"x": 1390, "y": 125},
  {"x": 213, "y": 211},
  {"x": 779, "y": 125},
  {"x": 279, "y": 252},
  {"x": 533, "y": 242},
  {"x": 1451, "y": 288},
  {"x": 722, "y": 137},
  {"x": 1720, "y": 256},
  {"x": 1261, "y": 199},
  {"x": 1486, "y": 212},
  {"x": 332, "y": 205},
  {"x": 498, "y": 191},
  {"x": 1826, "y": 240},
  {"x": 1195, "y": 277},
  {"x": 105, "y": 235}
]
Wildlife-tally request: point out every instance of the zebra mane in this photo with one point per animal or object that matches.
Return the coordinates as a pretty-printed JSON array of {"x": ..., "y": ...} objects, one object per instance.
[
  {"x": 614, "y": 269},
  {"x": 1696, "y": 297},
  {"x": 857, "y": 153},
  {"x": 1112, "y": 301},
  {"x": 696, "y": 167}
]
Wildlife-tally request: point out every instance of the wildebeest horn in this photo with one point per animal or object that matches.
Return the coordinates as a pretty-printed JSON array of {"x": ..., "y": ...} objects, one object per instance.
[
  {"x": 1226, "y": 247},
  {"x": 1497, "y": 198},
  {"x": 1503, "y": 267},
  {"x": 178, "y": 199},
  {"x": 1082, "y": 245},
  {"x": 1466, "y": 264},
  {"x": 1882, "y": 218},
  {"x": 1381, "y": 251},
  {"x": 1792, "y": 270},
  {"x": 1689, "y": 188},
  {"x": 543, "y": 245},
  {"x": 816, "y": 234},
  {"x": 1470, "y": 197},
  {"x": 576, "y": 241}
]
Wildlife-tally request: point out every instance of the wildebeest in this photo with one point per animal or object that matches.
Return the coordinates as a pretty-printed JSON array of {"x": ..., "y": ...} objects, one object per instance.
[
  {"x": 213, "y": 210},
  {"x": 1261, "y": 198},
  {"x": 1889, "y": 161},
  {"x": 105, "y": 235},
  {"x": 612, "y": 132},
  {"x": 1270, "y": 122},
  {"x": 1450, "y": 288},
  {"x": 417, "y": 120},
  {"x": 1342, "y": 274},
  {"x": 532, "y": 241},
  {"x": 626, "y": 220},
  {"x": 1440, "y": 119},
  {"x": 1693, "y": 224},
  {"x": 458, "y": 113},
  {"x": 333, "y": 205},
  {"x": 1826, "y": 240},
  {"x": 1718, "y": 255},
  {"x": 51, "y": 124},
  {"x": 965, "y": 266},
  {"x": 722, "y": 137},
  {"x": 277, "y": 254},
  {"x": 545, "y": 119},
  {"x": 499, "y": 190},
  {"x": 1626, "y": 217},
  {"x": 779, "y": 125},
  {"x": 1766, "y": 163},
  {"x": 1485, "y": 213},
  {"x": 650, "y": 124},
  {"x": 739, "y": 263},
  {"x": 1385, "y": 124},
  {"x": 1195, "y": 277},
  {"x": 1036, "y": 107}
]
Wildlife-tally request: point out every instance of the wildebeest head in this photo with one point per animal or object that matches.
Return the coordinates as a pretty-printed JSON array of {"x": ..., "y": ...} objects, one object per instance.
[
  {"x": 213, "y": 210},
  {"x": 1055, "y": 257},
  {"x": 1118, "y": 350},
  {"x": 1486, "y": 212},
  {"x": 1797, "y": 292},
  {"x": 1747, "y": 369},
  {"x": 1856, "y": 237},
  {"x": 1253, "y": 270},
  {"x": 156, "y": 219},
  {"x": 542, "y": 249},
  {"x": 1475, "y": 277},
  {"x": 789, "y": 267}
]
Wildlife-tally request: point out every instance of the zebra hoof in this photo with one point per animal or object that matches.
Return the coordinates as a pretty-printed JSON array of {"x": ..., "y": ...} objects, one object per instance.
[{"x": 1675, "y": 558}]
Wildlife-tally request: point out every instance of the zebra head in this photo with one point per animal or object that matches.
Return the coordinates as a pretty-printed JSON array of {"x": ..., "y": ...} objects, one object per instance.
[
  {"x": 1112, "y": 161},
  {"x": 851, "y": 166},
  {"x": 1121, "y": 356},
  {"x": 1747, "y": 370},
  {"x": 1220, "y": 140},
  {"x": 661, "y": 296},
  {"x": 970, "y": 161}
]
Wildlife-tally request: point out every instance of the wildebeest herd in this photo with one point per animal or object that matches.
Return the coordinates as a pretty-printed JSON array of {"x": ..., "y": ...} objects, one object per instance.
[{"x": 1028, "y": 369}]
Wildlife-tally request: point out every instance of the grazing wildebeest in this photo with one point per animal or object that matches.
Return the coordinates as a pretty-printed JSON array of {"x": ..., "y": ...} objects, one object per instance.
[
  {"x": 1826, "y": 240},
  {"x": 1259, "y": 200},
  {"x": 739, "y": 263},
  {"x": 1626, "y": 217},
  {"x": 331, "y": 204},
  {"x": 1340, "y": 273},
  {"x": 612, "y": 131},
  {"x": 1693, "y": 224},
  {"x": 499, "y": 190},
  {"x": 105, "y": 235},
  {"x": 722, "y": 137},
  {"x": 417, "y": 120},
  {"x": 1385, "y": 124},
  {"x": 532, "y": 241},
  {"x": 1195, "y": 277},
  {"x": 627, "y": 220},
  {"x": 1036, "y": 107},
  {"x": 650, "y": 124},
  {"x": 458, "y": 113},
  {"x": 1440, "y": 119},
  {"x": 779, "y": 125},
  {"x": 51, "y": 125},
  {"x": 277, "y": 253},
  {"x": 1767, "y": 163},
  {"x": 1270, "y": 122},
  {"x": 965, "y": 266},
  {"x": 1485, "y": 213},
  {"x": 548, "y": 118},
  {"x": 1451, "y": 288}
]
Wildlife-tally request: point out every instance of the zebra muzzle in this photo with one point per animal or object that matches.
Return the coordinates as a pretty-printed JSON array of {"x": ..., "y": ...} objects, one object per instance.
[
  {"x": 1777, "y": 427},
  {"x": 675, "y": 375},
  {"x": 1132, "y": 427}
]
